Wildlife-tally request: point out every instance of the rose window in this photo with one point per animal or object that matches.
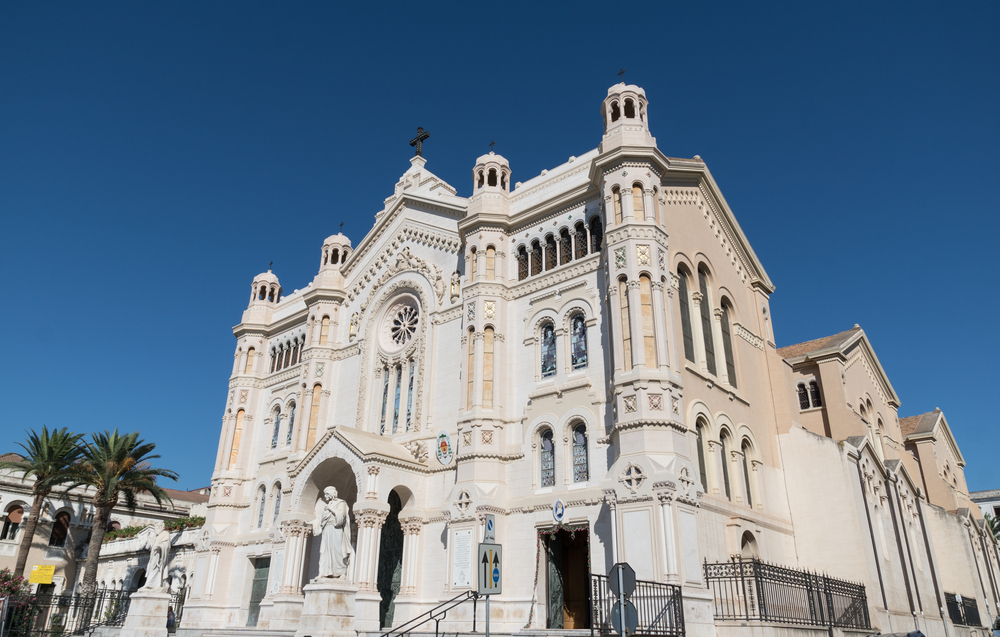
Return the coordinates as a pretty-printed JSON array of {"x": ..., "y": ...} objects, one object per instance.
[{"x": 403, "y": 325}]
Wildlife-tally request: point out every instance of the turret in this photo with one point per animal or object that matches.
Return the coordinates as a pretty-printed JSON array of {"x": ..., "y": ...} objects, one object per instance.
[
  {"x": 336, "y": 249},
  {"x": 265, "y": 292},
  {"x": 490, "y": 187},
  {"x": 626, "y": 118}
]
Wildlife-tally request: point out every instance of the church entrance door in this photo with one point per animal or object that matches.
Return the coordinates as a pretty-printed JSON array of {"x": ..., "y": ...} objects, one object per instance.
[
  {"x": 568, "y": 600},
  {"x": 258, "y": 588},
  {"x": 390, "y": 561}
]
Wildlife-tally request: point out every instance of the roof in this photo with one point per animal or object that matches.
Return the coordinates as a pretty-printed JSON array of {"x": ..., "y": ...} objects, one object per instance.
[
  {"x": 819, "y": 344},
  {"x": 977, "y": 496},
  {"x": 11, "y": 457},
  {"x": 189, "y": 496},
  {"x": 924, "y": 423}
]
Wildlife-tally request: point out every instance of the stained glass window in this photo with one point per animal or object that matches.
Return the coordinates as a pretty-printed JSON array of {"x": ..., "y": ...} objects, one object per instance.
[
  {"x": 263, "y": 505},
  {"x": 277, "y": 502},
  {"x": 409, "y": 396},
  {"x": 395, "y": 401},
  {"x": 522, "y": 264},
  {"x": 473, "y": 264},
  {"x": 578, "y": 341},
  {"x": 548, "y": 350},
  {"x": 548, "y": 459},
  {"x": 803, "y": 397},
  {"x": 637, "y": 208},
  {"x": 385, "y": 398},
  {"x": 648, "y": 333},
  {"x": 291, "y": 424},
  {"x": 581, "y": 471},
  {"x": 491, "y": 263},
  {"x": 814, "y": 393},
  {"x": 277, "y": 428}
]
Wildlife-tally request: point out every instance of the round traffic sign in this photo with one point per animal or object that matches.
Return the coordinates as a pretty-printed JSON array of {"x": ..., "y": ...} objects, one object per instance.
[
  {"x": 631, "y": 618},
  {"x": 621, "y": 579}
]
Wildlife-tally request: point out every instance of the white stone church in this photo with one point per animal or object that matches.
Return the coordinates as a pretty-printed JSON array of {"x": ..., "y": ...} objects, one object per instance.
[{"x": 590, "y": 357}]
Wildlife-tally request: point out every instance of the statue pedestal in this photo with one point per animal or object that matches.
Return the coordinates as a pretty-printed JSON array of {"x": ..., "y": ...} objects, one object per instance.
[
  {"x": 328, "y": 610},
  {"x": 147, "y": 614}
]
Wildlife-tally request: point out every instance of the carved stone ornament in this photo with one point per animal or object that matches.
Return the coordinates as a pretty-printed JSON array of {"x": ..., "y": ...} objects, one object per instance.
[{"x": 632, "y": 477}]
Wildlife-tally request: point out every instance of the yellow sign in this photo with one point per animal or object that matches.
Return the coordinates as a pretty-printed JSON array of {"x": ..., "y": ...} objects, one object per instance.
[{"x": 41, "y": 574}]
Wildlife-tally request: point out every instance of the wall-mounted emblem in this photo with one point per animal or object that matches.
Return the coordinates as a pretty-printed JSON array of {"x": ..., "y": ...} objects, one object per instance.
[
  {"x": 558, "y": 510},
  {"x": 445, "y": 452}
]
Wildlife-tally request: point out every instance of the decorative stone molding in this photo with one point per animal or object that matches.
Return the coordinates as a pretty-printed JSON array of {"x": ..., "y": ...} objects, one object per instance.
[{"x": 749, "y": 336}]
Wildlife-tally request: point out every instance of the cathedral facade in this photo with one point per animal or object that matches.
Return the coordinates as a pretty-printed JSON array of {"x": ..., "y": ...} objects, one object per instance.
[{"x": 589, "y": 357}]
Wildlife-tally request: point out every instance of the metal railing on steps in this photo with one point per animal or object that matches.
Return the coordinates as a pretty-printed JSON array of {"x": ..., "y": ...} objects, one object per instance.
[{"x": 435, "y": 614}]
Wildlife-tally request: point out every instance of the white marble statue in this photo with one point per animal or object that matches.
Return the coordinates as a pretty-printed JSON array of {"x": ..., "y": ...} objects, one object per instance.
[
  {"x": 159, "y": 549},
  {"x": 333, "y": 525}
]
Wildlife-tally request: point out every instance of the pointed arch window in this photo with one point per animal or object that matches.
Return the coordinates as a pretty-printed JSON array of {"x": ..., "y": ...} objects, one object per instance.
[
  {"x": 724, "y": 441},
  {"x": 648, "y": 333},
  {"x": 706, "y": 321},
  {"x": 491, "y": 263},
  {"x": 578, "y": 341},
  {"x": 817, "y": 400},
  {"x": 522, "y": 264},
  {"x": 746, "y": 472},
  {"x": 616, "y": 197},
  {"x": 803, "y": 397},
  {"x": 596, "y": 234},
  {"x": 60, "y": 530},
  {"x": 291, "y": 423},
  {"x": 581, "y": 466},
  {"x": 638, "y": 209},
  {"x": 277, "y": 428},
  {"x": 274, "y": 360},
  {"x": 685, "y": 307},
  {"x": 488, "y": 368},
  {"x": 626, "y": 324},
  {"x": 249, "y": 365},
  {"x": 324, "y": 330},
  {"x": 276, "y": 490},
  {"x": 262, "y": 494},
  {"x": 548, "y": 459},
  {"x": 548, "y": 350},
  {"x": 727, "y": 346},
  {"x": 702, "y": 471}
]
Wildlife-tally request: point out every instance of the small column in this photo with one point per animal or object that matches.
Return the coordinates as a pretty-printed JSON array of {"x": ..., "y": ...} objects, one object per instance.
[
  {"x": 372, "y": 490},
  {"x": 611, "y": 498},
  {"x": 411, "y": 550},
  {"x": 616, "y": 321},
  {"x": 302, "y": 431},
  {"x": 712, "y": 471},
  {"x": 659, "y": 327},
  {"x": 291, "y": 577},
  {"x": 699, "y": 337},
  {"x": 665, "y": 494},
  {"x": 717, "y": 337}
]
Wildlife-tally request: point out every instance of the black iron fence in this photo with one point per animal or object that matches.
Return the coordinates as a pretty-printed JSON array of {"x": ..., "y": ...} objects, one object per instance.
[
  {"x": 57, "y": 615},
  {"x": 751, "y": 589},
  {"x": 175, "y": 611},
  {"x": 660, "y": 607},
  {"x": 963, "y": 611}
]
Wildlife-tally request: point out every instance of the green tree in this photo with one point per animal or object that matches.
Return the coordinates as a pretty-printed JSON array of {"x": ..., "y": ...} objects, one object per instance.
[
  {"x": 117, "y": 467},
  {"x": 49, "y": 458},
  {"x": 993, "y": 525}
]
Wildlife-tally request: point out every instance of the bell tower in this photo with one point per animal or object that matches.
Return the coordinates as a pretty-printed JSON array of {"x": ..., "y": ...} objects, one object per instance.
[{"x": 626, "y": 118}]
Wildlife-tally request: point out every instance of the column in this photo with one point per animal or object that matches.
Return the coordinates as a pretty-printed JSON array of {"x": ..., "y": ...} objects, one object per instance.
[
  {"x": 372, "y": 490},
  {"x": 699, "y": 336},
  {"x": 720, "y": 361},
  {"x": 411, "y": 551},
  {"x": 295, "y": 542},
  {"x": 713, "y": 472},
  {"x": 659, "y": 325},
  {"x": 213, "y": 568},
  {"x": 611, "y": 498},
  {"x": 302, "y": 429},
  {"x": 635, "y": 321},
  {"x": 665, "y": 495},
  {"x": 674, "y": 359},
  {"x": 649, "y": 204}
]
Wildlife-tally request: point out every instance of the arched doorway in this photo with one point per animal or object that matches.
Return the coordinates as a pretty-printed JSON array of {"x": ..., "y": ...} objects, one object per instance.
[{"x": 390, "y": 561}]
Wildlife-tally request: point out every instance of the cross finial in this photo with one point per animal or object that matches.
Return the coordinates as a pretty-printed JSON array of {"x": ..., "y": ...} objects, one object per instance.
[
  {"x": 418, "y": 141},
  {"x": 621, "y": 76},
  {"x": 269, "y": 266},
  {"x": 341, "y": 227},
  {"x": 491, "y": 145}
]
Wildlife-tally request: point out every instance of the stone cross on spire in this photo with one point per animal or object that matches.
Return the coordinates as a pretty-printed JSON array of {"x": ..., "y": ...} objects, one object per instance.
[
  {"x": 621, "y": 76},
  {"x": 418, "y": 141}
]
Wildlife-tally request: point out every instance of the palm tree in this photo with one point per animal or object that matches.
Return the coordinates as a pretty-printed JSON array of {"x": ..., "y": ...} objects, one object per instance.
[
  {"x": 117, "y": 467},
  {"x": 48, "y": 457},
  {"x": 993, "y": 525}
]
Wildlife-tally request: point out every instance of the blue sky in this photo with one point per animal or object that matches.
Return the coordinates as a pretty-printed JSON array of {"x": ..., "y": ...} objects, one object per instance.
[{"x": 154, "y": 157}]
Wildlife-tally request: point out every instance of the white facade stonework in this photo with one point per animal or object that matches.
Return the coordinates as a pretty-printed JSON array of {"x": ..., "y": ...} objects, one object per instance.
[{"x": 599, "y": 335}]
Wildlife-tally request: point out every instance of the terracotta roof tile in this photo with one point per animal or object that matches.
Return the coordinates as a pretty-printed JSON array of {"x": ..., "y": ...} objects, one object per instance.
[
  {"x": 801, "y": 349},
  {"x": 11, "y": 457},
  {"x": 922, "y": 423},
  {"x": 189, "y": 496}
]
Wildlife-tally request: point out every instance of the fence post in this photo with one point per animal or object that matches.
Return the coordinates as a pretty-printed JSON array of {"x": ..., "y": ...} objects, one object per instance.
[
  {"x": 758, "y": 576},
  {"x": 830, "y": 614}
]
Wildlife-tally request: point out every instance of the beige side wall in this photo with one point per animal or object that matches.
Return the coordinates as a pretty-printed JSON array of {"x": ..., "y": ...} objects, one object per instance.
[{"x": 956, "y": 561}]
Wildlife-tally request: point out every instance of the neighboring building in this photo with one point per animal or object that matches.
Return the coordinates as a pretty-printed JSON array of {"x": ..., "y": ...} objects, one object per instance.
[
  {"x": 64, "y": 529},
  {"x": 988, "y": 501},
  {"x": 591, "y": 358}
]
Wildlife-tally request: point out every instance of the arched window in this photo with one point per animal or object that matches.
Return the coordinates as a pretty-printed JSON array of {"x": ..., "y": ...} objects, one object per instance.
[
  {"x": 491, "y": 263},
  {"x": 295, "y": 353},
  {"x": 482, "y": 179},
  {"x": 706, "y": 321},
  {"x": 626, "y": 324},
  {"x": 581, "y": 465},
  {"x": 324, "y": 330},
  {"x": 263, "y": 293},
  {"x": 488, "y": 368},
  {"x": 491, "y": 177},
  {"x": 536, "y": 258},
  {"x": 60, "y": 529},
  {"x": 249, "y": 366},
  {"x": 291, "y": 423},
  {"x": 274, "y": 360},
  {"x": 397, "y": 392},
  {"x": 817, "y": 401},
  {"x": 578, "y": 342},
  {"x": 522, "y": 264},
  {"x": 503, "y": 180},
  {"x": 685, "y": 307},
  {"x": 385, "y": 400},
  {"x": 699, "y": 429},
  {"x": 803, "y": 397},
  {"x": 648, "y": 333},
  {"x": 581, "y": 240},
  {"x": 288, "y": 356},
  {"x": 746, "y": 472},
  {"x": 548, "y": 477},
  {"x": 727, "y": 346},
  {"x": 548, "y": 350},
  {"x": 276, "y": 490},
  {"x": 615, "y": 112},
  {"x": 629, "y": 108},
  {"x": 724, "y": 440},
  {"x": 596, "y": 235},
  {"x": 12, "y": 522},
  {"x": 262, "y": 504},
  {"x": 313, "y": 416},
  {"x": 638, "y": 209},
  {"x": 277, "y": 428},
  {"x": 471, "y": 368},
  {"x": 616, "y": 200},
  {"x": 473, "y": 264},
  {"x": 237, "y": 433},
  {"x": 550, "y": 252},
  {"x": 565, "y": 247}
]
